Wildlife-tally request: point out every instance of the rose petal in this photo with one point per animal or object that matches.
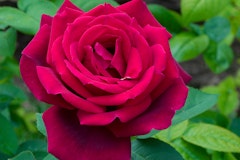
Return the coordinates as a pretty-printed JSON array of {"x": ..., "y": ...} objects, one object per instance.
[
  {"x": 37, "y": 48},
  {"x": 68, "y": 4},
  {"x": 134, "y": 64},
  {"x": 159, "y": 114},
  {"x": 68, "y": 140},
  {"x": 55, "y": 87},
  {"x": 139, "y": 10},
  {"x": 125, "y": 113},
  {"x": 111, "y": 88},
  {"x": 103, "y": 9},
  {"x": 70, "y": 80},
  {"x": 119, "y": 99},
  {"x": 30, "y": 77},
  {"x": 46, "y": 19},
  {"x": 60, "y": 22}
]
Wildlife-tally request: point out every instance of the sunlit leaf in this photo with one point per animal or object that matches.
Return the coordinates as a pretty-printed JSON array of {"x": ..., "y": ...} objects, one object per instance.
[
  {"x": 190, "y": 151},
  {"x": 186, "y": 46},
  {"x": 8, "y": 42},
  {"x": 199, "y": 10},
  {"x": 212, "y": 137},
  {"x": 18, "y": 20}
]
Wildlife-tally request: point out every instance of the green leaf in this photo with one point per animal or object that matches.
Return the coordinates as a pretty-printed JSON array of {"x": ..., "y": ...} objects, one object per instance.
[
  {"x": 8, "y": 42},
  {"x": 26, "y": 155},
  {"x": 8, "y": 138},
  {"x": 18, "y": 20},
  {"x": 228, "y": 95},
  {"x": 33, "y": 145},
  {"x": 86, "y": 5},
  {"x": 190, "y": 151},
  {"x": 222, "y": 156},
  {"x": 212, "y": 117},
  {"x": 37, "y": 147},
  {"x": 24, "y": 4},
  {"x": 165, "y": 17},
  {"x": 41, "y": 7},
  {"x": 40, "y": 124},
  {"x": 235, "y": 127},
  {"x": 50, "y": 157},
  {"x": 218, "y": 57},
  {"x": 172, "y": 132},
  {"x": 186, "y": 46},
  {"x": 217, "y": 28},
  {"x": 152, "y": 149},
  {"x": 212, "y": 137},
  {"x": 197, "y": 103},
  {"x": 199, "y": 10}
]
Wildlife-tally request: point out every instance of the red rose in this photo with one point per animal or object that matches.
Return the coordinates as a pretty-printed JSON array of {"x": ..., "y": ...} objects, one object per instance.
[{"x": 109, "y": 74}]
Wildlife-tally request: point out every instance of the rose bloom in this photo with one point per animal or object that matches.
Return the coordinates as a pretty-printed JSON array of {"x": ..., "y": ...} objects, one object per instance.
[{"x": 109, "y": 75}]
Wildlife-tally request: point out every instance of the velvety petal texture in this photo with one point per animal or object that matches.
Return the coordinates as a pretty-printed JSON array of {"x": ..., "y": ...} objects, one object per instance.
[{"x": 109, "y": 74}]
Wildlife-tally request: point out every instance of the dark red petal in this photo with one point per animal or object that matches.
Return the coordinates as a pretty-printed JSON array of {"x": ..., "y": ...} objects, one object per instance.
[
  {"x": 125, "y": 113},
  {"x": 68, "y": 4},
  {"x": 54, "y": 86},
  {"x": 46, "y": 19},
  {"x": 59, "y": 24},
  {"x": 159, "y": 114},
  {"x": 37, "y": 48},
  {"x": 139, "y": 10},
  {"x": 30, "y": 77},
  {"x": 68, "y": 140},
  {"x": 119, "y": 99}
]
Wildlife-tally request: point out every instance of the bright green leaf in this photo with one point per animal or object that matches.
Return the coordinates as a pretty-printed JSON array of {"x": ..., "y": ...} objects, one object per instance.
[
  {"x": 41, "y": 7},
  {"x": 8, "y": 42},
  {"x": 165, "y": 17},
  {"x": 186, "y": 46},
  {"x": 190, "y": 151},
  {"x": 222, "y": 156},
  {"x": 18, "y": 20},
  {"x": 217, "y": 28},
  {"x": 218, "y": 57},
  {"x": 24, "y": 4},
  {"x": 86, "y": 5},
  {"x": 212, "y": 137},
  {"x": 40, "y": 124},
  {"x": 50, "y": 157},
  {"x": 172, "y": 132},
  {"x": 228, "y": 95},
  {"x": 199, "y": 10},
  {"x": 8, "y": 138},
  {"x": 152, "y": 149},
  {"x": 26, "y": 155}
]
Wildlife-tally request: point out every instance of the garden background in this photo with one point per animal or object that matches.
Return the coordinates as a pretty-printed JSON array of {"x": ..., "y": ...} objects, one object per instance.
[{"x": 206, "y": 42}]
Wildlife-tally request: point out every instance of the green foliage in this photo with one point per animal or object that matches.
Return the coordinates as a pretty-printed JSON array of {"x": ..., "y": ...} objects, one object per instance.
[
  {"x": 168, "y": 18},
  {"x": 152, "y": 149},
  {"x": 203, "y": 28},
  {"x": 212, "y": 137},
  {"x": 199, "y": 10},
  {"x": 186, "y": 46},
  {"x": 8, "y": 138},
  {"x": 18, "y": 20}
]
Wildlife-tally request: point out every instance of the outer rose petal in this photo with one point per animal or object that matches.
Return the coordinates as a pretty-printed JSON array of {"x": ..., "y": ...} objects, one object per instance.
[
  {"x": 139, "y": 10},
  {"x": 159, "y": 114},
  {"x": 68, "y": 140}
]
